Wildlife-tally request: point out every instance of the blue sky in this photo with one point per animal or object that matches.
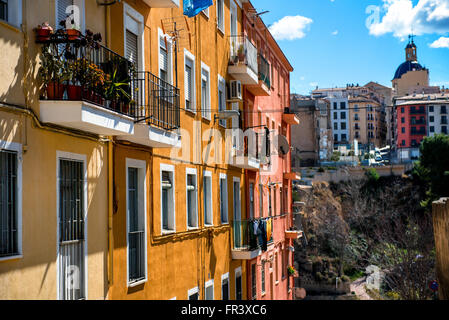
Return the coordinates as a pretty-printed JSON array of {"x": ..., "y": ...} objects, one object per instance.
[{"x": 332, "y": 44}]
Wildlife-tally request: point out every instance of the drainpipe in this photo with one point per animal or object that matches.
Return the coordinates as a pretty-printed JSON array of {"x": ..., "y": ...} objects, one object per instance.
[{"x": 110, "y": 210}]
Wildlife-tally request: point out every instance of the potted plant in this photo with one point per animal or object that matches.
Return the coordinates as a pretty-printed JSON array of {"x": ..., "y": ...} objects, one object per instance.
[
  {"x": 115, "y": 92},
  {"x": 291, "y": 271},
  {"x": 53, "y": 73},
  {"x": 72, "y": 30},
  {"x": 241, "y": 53},
  {"x": 43, "y": 31}
]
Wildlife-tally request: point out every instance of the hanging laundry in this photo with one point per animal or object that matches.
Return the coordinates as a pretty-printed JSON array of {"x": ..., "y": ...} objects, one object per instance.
[
  {"x": 256, "y": 227},
  {"x": 253, "y": 228},
  {"x": 269, "y": 229},
  {"x": 263, "y": 235},
  {"x": 193, "y": 7}
]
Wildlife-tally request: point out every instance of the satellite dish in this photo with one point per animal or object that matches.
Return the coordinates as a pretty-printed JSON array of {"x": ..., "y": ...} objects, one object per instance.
[
  {"x": 106, "y": 2},
  {"x": 283, "y": 147}
]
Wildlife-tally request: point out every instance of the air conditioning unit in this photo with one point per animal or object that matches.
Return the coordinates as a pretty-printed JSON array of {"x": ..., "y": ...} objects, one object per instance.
[{"x": 235, "y": 90}]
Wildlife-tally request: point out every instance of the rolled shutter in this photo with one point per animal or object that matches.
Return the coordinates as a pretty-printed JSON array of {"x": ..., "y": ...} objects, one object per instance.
[{"x": 131, "y": 48}]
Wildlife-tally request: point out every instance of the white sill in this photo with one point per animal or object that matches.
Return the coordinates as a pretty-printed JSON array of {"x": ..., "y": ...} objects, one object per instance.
[
  {"x": 277, "y": 282},
  {"x": 205, "y": 118},
  {"x": 263, "y": 294},
  {"x": 205, "y": 14},
  {"x": 168, "y": 232},
  {"x": 16, "y": 257},
  {"x": 136, "y": 284},
  {"x": 220, "y": 30},
  {"x": 190, "y": 111},
  {"x": 225, "y": 223},
  {"x": 192, "y": 228},
  {"x": 208, "y": 226}
]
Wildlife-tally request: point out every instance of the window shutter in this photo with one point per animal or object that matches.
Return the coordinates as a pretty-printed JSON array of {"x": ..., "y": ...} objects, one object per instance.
[
  {"x": 188, "y": 83},
  {"x": 163, "y": 57},
  {"x": 61, "y": 14},
  {"x": 131, "y": 48}
]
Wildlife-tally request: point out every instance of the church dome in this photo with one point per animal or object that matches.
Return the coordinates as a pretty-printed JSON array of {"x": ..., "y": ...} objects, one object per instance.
[{"x": 406, "y": 67}]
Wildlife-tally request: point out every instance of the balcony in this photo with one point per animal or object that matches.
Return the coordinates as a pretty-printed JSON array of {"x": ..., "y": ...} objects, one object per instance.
[
  {"x": 263, "y": 87},
  {"x": 243, "y": 61},
  {"x": 247, "y": 245},
  {"x": 89, "y": 87},
  {"x": 158, "y": 114},
  {"x": 290, "y": 117},
  {"x": 162, "y": 3},
  {"x": 247, "y": 156},
  {"x": 294, "y": 176},
  {"x": 421, "y": 110}
]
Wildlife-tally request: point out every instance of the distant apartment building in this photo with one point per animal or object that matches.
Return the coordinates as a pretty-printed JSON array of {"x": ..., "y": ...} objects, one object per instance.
[
  {"x": 419, "y": 116},
  {"x": 312, "y": 140},
  {"x": 366, "y": 122},
  {"x": 340, "y": 119}
]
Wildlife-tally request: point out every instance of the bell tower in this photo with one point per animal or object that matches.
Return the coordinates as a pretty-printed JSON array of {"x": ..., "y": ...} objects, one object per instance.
[{"x": 410, "y": 50}]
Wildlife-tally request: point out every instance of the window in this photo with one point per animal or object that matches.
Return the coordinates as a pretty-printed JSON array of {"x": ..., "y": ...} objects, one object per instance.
[
  {"x": 70, "y": 10},
  {"x": 206, "y": 12},
  {"x": 205, "y": 92},
  {"x": 335, "y": 106},
  {"x": 402, "y": 120},
  {"x": 189, "y": 80},
  {"x": 402, "y": 110},
  {"x": 342, "y": 105},
  {"x": 136, "y": 221},
  {"x": 233, "y": 14},
  {"x": 443, "y": 110},
  {"x": 238, "y": 284},
  {"x": 335, "y": 137},
  {"x": 431, "y": 119},
  {"x": 193, "y": 294},
  {"x": 263, "y": 277},
  {"x": 343, "y": 126},
  {"x": 276, "y": 267},
  {"x": 72, "y": 225},
  {"x": 251, "y": 200},
  {"x": 220, "y": 15},
  {"x": 164, "y": 58},
  {"x": 431, "y": 109},
  {"x": 335, "y": 125},
  {"x": 403, "y": 142},
  {"x": 224, "y": 199},
  {"x": 222, "y": 97},
  {"x": 443, "y": 119},
  {"x": 432, "y": 129},
  {"x": 253, "y": 281},
  {"x": 356, "y": 108},
  {"x": 343, "y": 137},
  {"x": 167, "y": 198},
  {"x": 4, "y": 10},
  {"x": 10, "y": 200},
  {"x": 270, "y": 213},
  {"x": 444, "y": 129},
  {"x": 225, "y": 287},
  {"x": 343, "y": 115},
  {"x": 237, "y": 204},
  {"x": 191, "y": 194},
  {"x": 207, "y": 187},
  {"x": 335, "y": 115},
  {"x": 209, "y": 290},
  {"x": 403, "y": 130},
  {"x": 284, "y": 263}
]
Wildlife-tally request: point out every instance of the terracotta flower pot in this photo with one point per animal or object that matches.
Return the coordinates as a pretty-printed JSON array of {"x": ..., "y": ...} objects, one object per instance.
[
  {"x": 55, "y": 90},
  {"x": 73, "y": 34},
  {"x": 43, "y": 34},
  {"x": 74, "y": 92}
]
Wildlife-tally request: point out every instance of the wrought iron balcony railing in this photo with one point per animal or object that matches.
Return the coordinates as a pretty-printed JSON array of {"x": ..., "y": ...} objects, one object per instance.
[
  {"x": 246, "y": 237},
  {"x": 264, "y": 71},
  {"x": 243, "y": 52},
  {"x": 78, "y": 71}
]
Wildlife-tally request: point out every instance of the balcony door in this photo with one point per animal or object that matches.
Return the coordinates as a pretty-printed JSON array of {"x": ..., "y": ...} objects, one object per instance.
[
  {"x": 72, "y": 244},
  {"x": 237, "y": 214}
]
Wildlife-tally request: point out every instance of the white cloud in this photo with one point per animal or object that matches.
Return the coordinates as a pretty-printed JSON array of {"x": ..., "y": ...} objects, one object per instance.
[
  {"x": 290, "y": 28},
  {"x": 302, "y": 78},
  {"x": 402, "y": 18},
  {"x": 313, "y": 84},
  {"x": 335, "y": 33},
  {"x": 443, "y": 42}
]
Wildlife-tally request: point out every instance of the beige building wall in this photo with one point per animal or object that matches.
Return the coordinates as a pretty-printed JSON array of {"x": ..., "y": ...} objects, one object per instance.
[
  {"x": 33, "y": 274},
  {"x": 410, "y": 79}
]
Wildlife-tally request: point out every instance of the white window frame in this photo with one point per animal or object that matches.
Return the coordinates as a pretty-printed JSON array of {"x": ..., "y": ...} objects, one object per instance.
[
  {"x": 81, "y": 4},
  {"x": 83, "y": 158},
  {"x": 209, "y": 284},
  {"x": 131, "y": 17},
  {"x": 14, "y": 11},
  {"x": 169, "y": 48},
  {"x": 206, "y": 12},
  {"x": 233, "y": 10},
  {"x": 193, "y": 172},
  {"x": 221, "y": 27},
  {"x": 142, "y": 178},
  {"x": 16, "y": 147},
  {"x": 226, "y": 201},
  {"x": 208, "y": 175},
  {"x": 222, "y": 84},
  {"x": 193, "y": 291},
  {"x": 171, "y": 169},
  {"x": 226, "y": 277},
  {"x": 237, "y": 273},
  {"x": 188, "y": 56},
  {"x": 206, "y": 110}
]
